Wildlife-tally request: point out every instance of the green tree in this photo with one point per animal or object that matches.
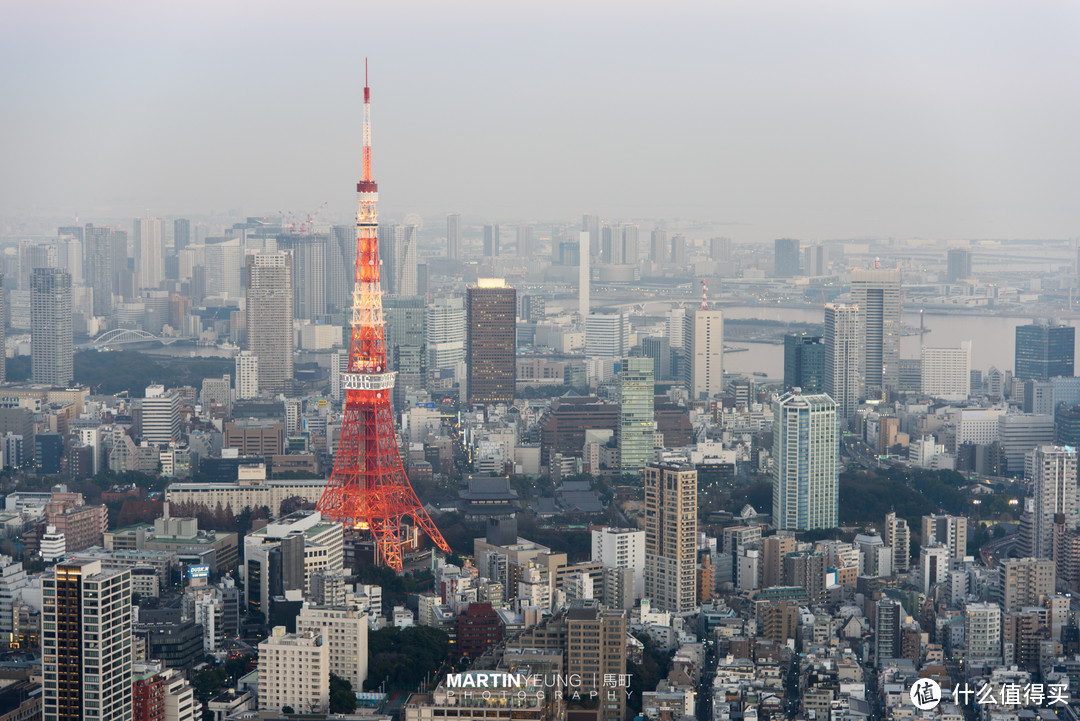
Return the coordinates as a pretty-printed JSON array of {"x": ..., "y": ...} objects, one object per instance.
[{"x": 342, "y": 697}]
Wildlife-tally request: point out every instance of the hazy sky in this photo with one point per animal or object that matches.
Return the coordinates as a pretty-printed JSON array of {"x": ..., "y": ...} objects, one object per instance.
[{"x": 810, "y": 119}]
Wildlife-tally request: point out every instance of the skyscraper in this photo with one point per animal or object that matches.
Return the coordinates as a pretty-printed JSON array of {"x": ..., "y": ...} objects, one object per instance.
[
  {"x": 607, "y": 335},
  {"x": 1044, "y": 351},
  {"x": 636, "y": 434},
  {"x": 339, "y": 273},
  {"x": 86, "y": 642},
  {"x": 181, "y": 234},
  {"x": 149, "y": 249},
  {"x": 898, "y": 538},
  {"x": 247, "y": 375},
  {"x": 804, "y": 362},
  {"x": 270, "y": 318},
  {"x": 1055, "y": 489},
  {"x": 946, "y": 372},
  {"x": 445, "y": 334},
  {"x": 658, "y": 246},
  {"x": 397, "y": 250},
  {"x": 958, "y": 264},
  {"x": 785, "y": 257},
  {"x": 805, "y": 472},
  {"x": 491, "y": 341},
  {"x": 406, "y": 340},
  {"x": 3, "y": 331},
  {"x": 842, "y": 358},
  {"x": 670, "y": 536},
  {"x": 98, "y": 267},
  {"x": 703, "y": 338},
  {"x": 877, "y": 295},
  {"x": 309, "y": 273},
  {"x": 491, "y": 240},
  {"x": 948, "y": 531},
  {"x": 583, "y": 274},
  {"x": 524, "y": 240},
  {"x": 51, "y": 346},
  {"x": 453, "y": 235},
  {"x": 591, "y": 224}
]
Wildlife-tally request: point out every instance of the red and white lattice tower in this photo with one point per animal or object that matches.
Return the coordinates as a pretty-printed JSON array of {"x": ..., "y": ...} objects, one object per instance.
[{"x": 368, "y": 489}]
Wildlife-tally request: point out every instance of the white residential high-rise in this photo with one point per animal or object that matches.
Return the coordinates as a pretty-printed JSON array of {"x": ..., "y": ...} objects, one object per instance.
[
  {"x": 982, "y": 631},
  {"x": 933, "y": 566},
  {"x": 1055, "y": 490},
  {"x": 149, "y": 249},
  {"x": 12, "y": 578},
  {"x": 345, "y": 631},
  {"x": 294, "y": 670},
  {"x": 877, "y": 295},
  {"x": 676, "y": 324},
  {"x": 842, "y": 358},
  {"x": 445, "y": 334},
  {"x": 86, "y": 642},
  {"x": 805, "y": 464},
  {"x": 160, "y": 416},
  {"x": 52, "y": 347},
  {"x": 898, "y": 538},
  {"x": 621, "y": 548},
  {"x": 583, "y": 274},
  {"x": 946, "y": 372},
  {"x": 671, "y": 536},
  {"x": 247, "y": 375},
  {"x": 703, "y": 339}
]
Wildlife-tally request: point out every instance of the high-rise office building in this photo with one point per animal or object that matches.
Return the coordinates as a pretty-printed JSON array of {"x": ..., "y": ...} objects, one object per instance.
[
  {"x": 785, "y": 257},
  {"x": 160, "y": 416},
  {"x": 309, "y": 273},
  {"x": 703, "y": 343},
  {"x": 270, "y": 318},
  {"x": 877, "y": 295},
  {"x": 958, "y": 264},
  {"x": 1044, "y": 351},
  {"x": 659, "y": 349},
  {"x": 51, "y": 345},
  {"x": 842, "y": 358},
  {"x": 453, "y": 235},
  {"x": 149, "y": 249},
  {"x": 445, "y": 334},
  {"x": 524, "y": 240},
  {"x": 491, "y": 240},
  {"x": 1055, "y": 490},
  {"x": 584, "y": 277},
  {"x": 397, "y": 250},
  {"x": 804, "y": 362},
  {"x": 406, "y": 341},
  {"x": 945, "y": 373},
  {"x": 607, "y": 335},
  {"x": 86, "y": 642},
  {"x": 181, "y": 234},
  {"x": 670, "y": 536},
  {"x": 898, "y": 538},
  {"x": 491, "y": 341},
  {"x": 948, "y": 531},
  {"x": 805, "y": 472},
  {"x": 636, "y": 434}
]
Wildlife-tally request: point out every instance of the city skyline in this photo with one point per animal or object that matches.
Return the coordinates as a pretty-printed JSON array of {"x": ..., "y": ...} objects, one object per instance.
[{"x": 880, "y": 138}]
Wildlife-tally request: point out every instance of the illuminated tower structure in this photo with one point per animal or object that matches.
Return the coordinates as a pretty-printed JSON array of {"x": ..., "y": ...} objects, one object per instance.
[{"x": 368, "y": 488}]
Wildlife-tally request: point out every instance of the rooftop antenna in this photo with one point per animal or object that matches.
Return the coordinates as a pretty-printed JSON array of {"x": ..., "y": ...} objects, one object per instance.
[{"x": 704, "y": 294}]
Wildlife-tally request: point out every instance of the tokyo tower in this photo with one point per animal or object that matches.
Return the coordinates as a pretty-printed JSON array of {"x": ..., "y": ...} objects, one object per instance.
[{"x": 368, "y": 489}]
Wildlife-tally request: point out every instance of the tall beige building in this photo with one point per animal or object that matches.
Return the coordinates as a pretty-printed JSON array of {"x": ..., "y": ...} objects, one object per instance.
[
  {"x": 595, "y": 649},
  {"x": 270, "y": 318},
  {"x": 345, "y": 631},
  {"x": 294, "y": 670},
  {"x": 1026, "y": 582},
  {"x": 671, "y": 536},
  {"x": 774, "y": 550},
  {"x": 703, "y": 338}
]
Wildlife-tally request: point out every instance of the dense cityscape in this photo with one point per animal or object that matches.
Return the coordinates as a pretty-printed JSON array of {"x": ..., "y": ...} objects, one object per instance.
[{"x": 344, "y": 463}]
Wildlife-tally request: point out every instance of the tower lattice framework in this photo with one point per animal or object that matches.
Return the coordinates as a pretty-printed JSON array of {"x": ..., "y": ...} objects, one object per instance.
[{"x": 368, "y": 488}]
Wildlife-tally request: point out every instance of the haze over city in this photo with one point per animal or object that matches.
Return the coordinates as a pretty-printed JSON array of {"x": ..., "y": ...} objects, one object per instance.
[{"x": 823, "y": 120}]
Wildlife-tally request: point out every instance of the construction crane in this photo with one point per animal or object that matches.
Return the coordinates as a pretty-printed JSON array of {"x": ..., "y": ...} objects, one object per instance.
[{"x": 291, "y": 224}]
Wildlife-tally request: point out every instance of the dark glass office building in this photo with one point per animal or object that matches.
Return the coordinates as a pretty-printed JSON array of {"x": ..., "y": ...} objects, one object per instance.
[
  {"x": 804, "y": 363},
  {"x": 1044, "y": 351}
]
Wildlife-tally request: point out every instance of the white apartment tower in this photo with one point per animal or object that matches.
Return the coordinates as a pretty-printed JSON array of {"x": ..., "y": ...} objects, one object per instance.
[
  {"x": 898, "y": 538},
  {"x": 842, "y": 358},
  {"x": 247, "y": 375},
  {"x": 160, "y": 416},
  {"x": 149, "y": 249},
  {"x": 703, "y": 339},
  {"x": 877, "y": 295},
  {"x": 294, "y": 670},
  {"x": 805, "y": 465},
  {"x": 345, "y": 631},
  {"x": 1055, "y": 490},
  {"x": 270, "y": 318},
  {"x": 621, "y": 548}
]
